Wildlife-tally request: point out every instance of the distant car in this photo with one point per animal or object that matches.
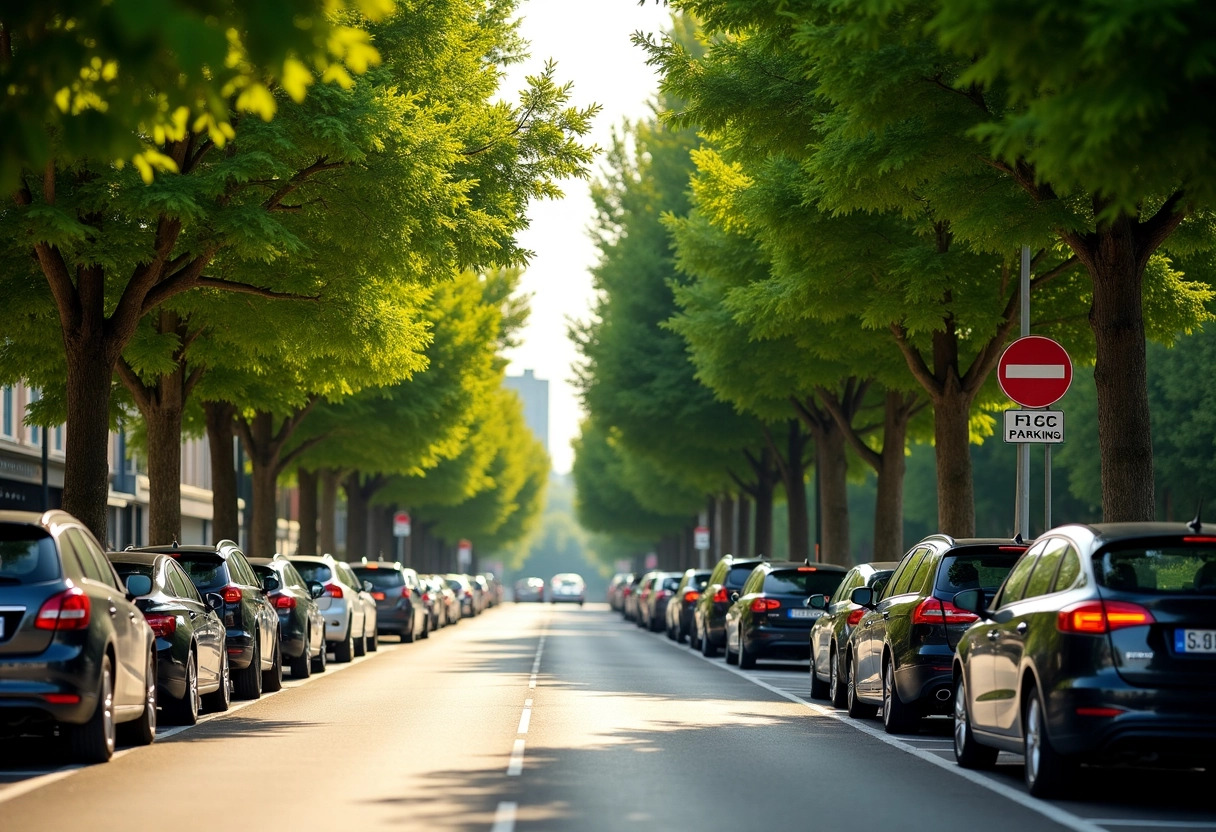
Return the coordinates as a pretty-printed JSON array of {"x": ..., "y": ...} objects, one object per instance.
[
  {"x": 652, "y": 606},
  {"x": 616, "y": 599},
  {"x": 400, "y": 609},
  {"x": 191, "y": 653},
  {"x": 679, "y": 609},
  {"x": 831, "y": 630},
  {"x": 346, "y": 622},
  {"x": 529, "y": 589},
  {"x": 447, "y": 606},
  {"x": 301, "y": 625},
  {"x": 769, "y": 616},
  {"x": 709, "y": 613},
  {"x": 567, "y": 587},
  {"x": 1099, "y": 647},
  {"x": 465, "y": 594},
  {"x": 58, "y": 634},
  {"x": 901, "y": 655},
  {"x": 629, "y": 596},
  {"x": 254, "y": 657}
]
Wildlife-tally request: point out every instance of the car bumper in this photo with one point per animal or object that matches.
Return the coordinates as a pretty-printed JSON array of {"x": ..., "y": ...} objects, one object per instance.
[
  {"x": 61, "y": 671},
  {"x": 779, "y": 642},
  {"x": 927, "y": 683},
  {"x": 1152, "y": 721},
  {"x": 240, "y": 649},
  {"x": 567, "y": 599},
  {"x": 336, "y": 622}
]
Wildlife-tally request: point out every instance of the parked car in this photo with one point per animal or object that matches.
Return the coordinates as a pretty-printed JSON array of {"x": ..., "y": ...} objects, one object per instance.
[
  {"x": 251, "y": 622},
  {"x": 65, "y": 660},
  {"x": 301, "y": 625},
  {"x": 397, "y": 592},
  {"x": 652, "y": 608},
  {"x": 616, "y": 599},
  {"x": 629, "y": 596},
  {"x": 447, "y": 604},
  {"x": 831, "y": 630},
  {"x": 191, "y": 653},
  {"x": 495, "y": 588},
  {"x": 481, "y": 592},
  {"x": 459, "y": 584},
  {"x": 346, "y": 623},
  {"x": 680, "y": 608},
  {"x": 901, "y": 654},
  {"x": 769, "y": 617},
  {"x": 641, "y": 596},
  {"x": 567, "y": 587},
  {"x": 709, "y": 613},
  {"x": 529, "y": 589},
  {"x": 1099, "y": 647}
]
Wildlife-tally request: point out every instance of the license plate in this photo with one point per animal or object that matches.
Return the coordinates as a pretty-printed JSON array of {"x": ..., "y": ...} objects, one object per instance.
[
  {"x": 1, "y": 628},
  {"x": 1195, "y": 641},
  {"x": 804, "y": 613}
]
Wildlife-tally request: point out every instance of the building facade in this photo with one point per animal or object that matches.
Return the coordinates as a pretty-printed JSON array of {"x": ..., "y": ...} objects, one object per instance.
[{"x": 534, "y": 393}]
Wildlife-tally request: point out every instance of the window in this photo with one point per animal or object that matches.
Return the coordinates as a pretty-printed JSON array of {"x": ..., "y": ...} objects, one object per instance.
[
  {"x": 57, "y": 439},
  {"x": 1016, "y": 582},
  {"x": 1040, "y": 579},
  {"x": 35, "y": 434},
  {"x": 7, "y": 418},
  {"x": 904, "y": 574},
  {"x": 96, "y": 567},
  {"x": 1070, "y": 569},
  {"x": 920, "y": 580}
]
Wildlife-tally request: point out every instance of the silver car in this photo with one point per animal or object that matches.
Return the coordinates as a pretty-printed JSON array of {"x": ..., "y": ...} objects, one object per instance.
[{"x": 346, "y": 604}]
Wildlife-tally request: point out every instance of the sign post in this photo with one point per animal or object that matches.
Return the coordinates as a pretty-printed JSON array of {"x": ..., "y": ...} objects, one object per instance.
[
  {"x": 401, "y": 531},
  {"x": 700, "y": 542}
]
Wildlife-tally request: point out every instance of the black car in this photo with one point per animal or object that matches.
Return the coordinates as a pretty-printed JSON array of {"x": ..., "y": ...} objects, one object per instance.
[
  {"x": 252, "y": 624},
  {"x": 679, "y": 608},
  {"x": 709, "y": 613},
  {"x": 1099, "y": 647},
  {"x": 831, "y": 630},
  {"x": 301, "y": 625},
  {"x": 400, "y": 608},
  {"x": 191, "y": 657},
  {"x": 769, "y": 617},
  {"x": 75, "y": 652},
  {"x": 901, "y": 654}
]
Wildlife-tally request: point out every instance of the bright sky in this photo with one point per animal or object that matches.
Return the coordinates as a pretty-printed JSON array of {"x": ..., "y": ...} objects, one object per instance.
[{"x": 589, "y": 39}]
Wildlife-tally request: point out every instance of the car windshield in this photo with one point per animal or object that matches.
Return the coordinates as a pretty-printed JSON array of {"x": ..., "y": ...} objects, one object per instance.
[
  {"x": 125, "y": 569},
  {"x": 207, "y": 572},
  {"x": 974, "y": 570},
  {"x": 27, "y": 555},
  {"x": 314, "y": 571},
  {"x": 737, "y": 576},
  {"x": 380, "y": 578},
  {"x": 801, "y": 582},
  {"x": 1165, "y": 569}
]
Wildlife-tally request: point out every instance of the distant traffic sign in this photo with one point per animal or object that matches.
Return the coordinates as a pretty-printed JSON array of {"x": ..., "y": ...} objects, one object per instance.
[
  {"x": 1034, "y": 371},
  {"x": 701, "y": 537},
  {"x": 401, "y": 524}
]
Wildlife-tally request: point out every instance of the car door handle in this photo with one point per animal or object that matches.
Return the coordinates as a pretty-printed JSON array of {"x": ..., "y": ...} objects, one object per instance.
[
  {"x": 1022, "y": 628},
  {"x": 113, "y": 609},
  {"x": 886, "y": 614},
  {"x": 992, "y": 635}
]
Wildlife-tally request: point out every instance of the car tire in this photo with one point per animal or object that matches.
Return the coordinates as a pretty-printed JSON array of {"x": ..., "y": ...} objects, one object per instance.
[
  {"x": 219, "y": 700},
  {"x": 1048, "y": 773},
  {"x": 247, "y": 683},
  {"x": 320, "y": 663},
  {"x": 361, "y": 645},
  {"x": 747, "y": 659},
  {"x": 730, "y": 656},
  {"x": 94, "y": 741},
  {"x": 185, "y": 711},
  {"x": 407, "y": 633},
  {"x": 344, "y": 650},
  {"x": 681, "y": 633},
  {"x": 837, "y": 686},
  {"x": 301, "y": 665},
  {"x": 272, "y": 680},
  {"x": 897, "y": 718},
  {"x": 426, "y": 628},
  {"x": 968, "y": 753},
  {"x": 819, "y": 688},
  {"x": 694, "y": 639},
  {"x": 373, "y": 642},
  {"x": 707, "y": 646},
  {"x": 856, "y": 708},
  {"x": 142, "y": 730}
]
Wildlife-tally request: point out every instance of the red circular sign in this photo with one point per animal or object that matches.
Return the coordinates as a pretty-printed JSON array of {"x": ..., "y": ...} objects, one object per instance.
[{"x": 1034, "y": 371}]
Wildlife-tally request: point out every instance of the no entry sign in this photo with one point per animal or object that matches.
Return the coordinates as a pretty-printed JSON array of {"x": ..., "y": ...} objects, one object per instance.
[{"x": 1034, "y": 371}]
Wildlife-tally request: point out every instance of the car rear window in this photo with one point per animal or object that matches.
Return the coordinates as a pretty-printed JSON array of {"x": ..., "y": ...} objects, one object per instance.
[
  {"x": 207, "y": 572},
  {"x": 380, "y": 578},
  {"x": 1166, "y": 569},
  {"x": 125, "y": 569},
  {"x": 313, "y": 571},
  {"x": 671, "y": 584},
  {"x": 737, "y": 576},
  {"x": 27, "y": 556},
  {"x": 794, "y": 582},
  {"x": 974, "y": 570}
]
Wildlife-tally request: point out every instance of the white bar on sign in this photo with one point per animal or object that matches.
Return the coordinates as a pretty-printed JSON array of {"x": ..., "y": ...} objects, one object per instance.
[{"x": 1034, "y": 371}]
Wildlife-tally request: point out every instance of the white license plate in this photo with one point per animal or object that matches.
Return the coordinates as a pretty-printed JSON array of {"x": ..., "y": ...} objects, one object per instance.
[
  {"x": 1195, "y": 641},
  {"x": 804, "y": 613},
  {"x": 1, "y": 628}
]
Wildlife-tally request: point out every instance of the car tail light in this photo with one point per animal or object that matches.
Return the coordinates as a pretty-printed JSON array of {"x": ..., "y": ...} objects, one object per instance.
[
  {"x": 162, "y": 625},
  {"x": 378, "y": 596},
  {"x": 691, "y": 596},
  {"x": 468, "y": 593},
  {"x": 232, "y": 595},
  {"x": 1107, "y": 712},
  {"x": 855, "y": 616},
  {"x": 334, "y": 591},
  {"x": 720, "y": 597},
  {"x": 67, "y": 610},
  {"x": 1011, "y": 548},
  {"x": 627, "y": 591},
  {"x": 765, "y": 604},
  {"x": 285, "y": 602},
  {"x": 1097, "y": 617},
  {"x": 60, "y": 698},
  {"x": 808, "y": 568},
  {"x": 667, "y": 593},
  {"x": 935, "y": 611},
  {"x": 426, "y": 597},
  {"x": 405, "y": 592}
]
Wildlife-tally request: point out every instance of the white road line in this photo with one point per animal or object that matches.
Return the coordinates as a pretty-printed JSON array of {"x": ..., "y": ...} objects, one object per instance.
[
  {"x": 504, "y": 818},
  {"x": 532, "y": 682},
  {"x": 1155, "y": 824},
  {"x": 1047, "y": 810},
  {"x": 524, "y": 719},
  {"x": 516, "y": 766}
]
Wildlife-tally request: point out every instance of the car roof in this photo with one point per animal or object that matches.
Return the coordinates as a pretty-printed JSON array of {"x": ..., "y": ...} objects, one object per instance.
[
  {"x": 773, "y": 566},
  {"x": 131, "y": 556}
]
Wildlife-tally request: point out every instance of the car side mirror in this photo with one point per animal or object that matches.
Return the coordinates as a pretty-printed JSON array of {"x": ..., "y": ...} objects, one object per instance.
[
  {"x": 734, "y": 596},
  {"x": 971, "y": 600},
  {"x": 270, "y": 583},
  {"x": 138, "y": 585},
  {"x": 817, "y": 602},
  {"x": 214, "y": 600},
  {"x": 863, "y": 596},
  {"x": 367, "y": 586},
  {"x": 316, "y": 589}
]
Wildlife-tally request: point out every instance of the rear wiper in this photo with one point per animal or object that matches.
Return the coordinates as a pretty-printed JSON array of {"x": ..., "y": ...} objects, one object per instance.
[{"x": 8, "y": 580}]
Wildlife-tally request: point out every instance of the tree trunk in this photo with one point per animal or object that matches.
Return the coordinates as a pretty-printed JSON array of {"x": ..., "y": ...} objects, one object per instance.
[
  {"x": 307, "y": 543},
  {"x": 163, "y": 421},
  {"x": 724, "y": 516},
  {"x": 263, "y": 451},
  {"x": 793, "y": 477},
  {"x": 86, "y": 475},
  {"x": 225, "y": 514},
  {"x": 356, "y": 518},
  {"x": 327, "y": 510},
  {"x": 743, "y": 526},
  {"x": 889, "y": 501},
  {"x": 952, "y": 442},
  {"x": 833, "y": 465}
]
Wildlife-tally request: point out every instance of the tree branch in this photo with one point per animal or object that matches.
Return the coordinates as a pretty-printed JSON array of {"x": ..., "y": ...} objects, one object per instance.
[
  {"x": 131, "y": 380},
  {"x": 298, "y": 179},
  {"x": 523, "y": 122},
  {"x": 916, "y": 362}
]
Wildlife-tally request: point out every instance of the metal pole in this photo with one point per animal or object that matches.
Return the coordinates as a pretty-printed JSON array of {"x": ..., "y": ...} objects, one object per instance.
[
  {"x": 1022, "y": 515},
  {"x": 1047, "y": 486},
  {"x": 46, "y": 482}
]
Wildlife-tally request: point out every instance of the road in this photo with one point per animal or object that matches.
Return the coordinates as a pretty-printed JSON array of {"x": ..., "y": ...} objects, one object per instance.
[{"x": 535, "y": 717}]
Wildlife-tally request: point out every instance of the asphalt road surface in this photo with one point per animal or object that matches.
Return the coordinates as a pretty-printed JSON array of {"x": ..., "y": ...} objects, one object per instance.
[{"x": 535, "y": 717}]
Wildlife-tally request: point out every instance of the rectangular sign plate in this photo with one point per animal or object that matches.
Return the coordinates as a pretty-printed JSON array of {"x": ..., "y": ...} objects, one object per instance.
[
  {"x": 1039, "y": 427},
  {"x": 1195, "y": 641},
  {"x": 804, "y": 613}
]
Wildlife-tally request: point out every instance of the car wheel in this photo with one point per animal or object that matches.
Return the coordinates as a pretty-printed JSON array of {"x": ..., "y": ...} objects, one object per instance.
[
  {"x": 344, "y": 650},
  {"x": 694, "y": 637},
  {"x": 681, "y": 633},
  {"x": 320, "y": 662},
  {"x": 407, "y": 634},
  {"x": 93, "y": 742},
  {"x": 731, "y": 656},
  {"x": 897, "y": 718},
  {"x": 185, "y": 711},
  {"x": 142, "y": 731},
  {"x": 247, "y": 683},
  {"x": 747, "y": 659},
  {"x": 819, "y": 688},
  {"x": 856, "y": 708},
  {"x": 361, "y": 644},
  {"x": 707, "y": 647},
  {"x": 373, "y": 641},
  {"x": 272, "y": 680},
  {"x": 967, "y": 752},
  {"x": 837, "y": 691},
  {"x": 1048, "y": 773},
  {"x": 301, "y": 665},
  {"x": 221, "y": 698}
]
